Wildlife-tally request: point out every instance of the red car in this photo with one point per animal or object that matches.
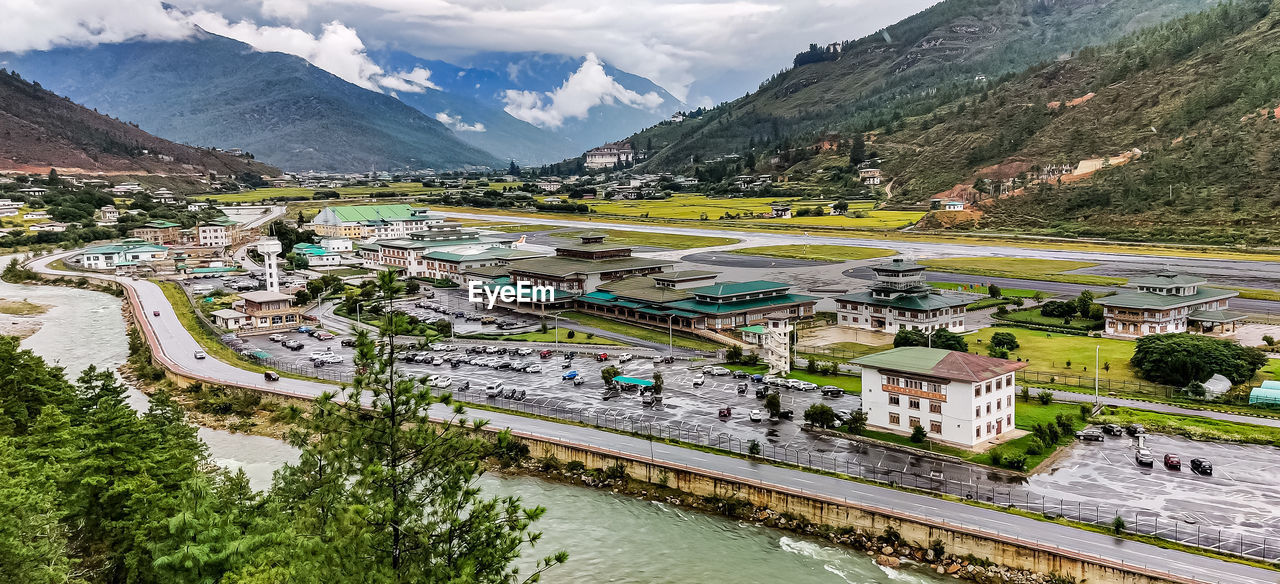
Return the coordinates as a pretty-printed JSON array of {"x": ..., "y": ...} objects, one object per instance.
[
  {"x": 602, "y": 357},
  {"x": 155, "y": 313},
  {"x": 1171, "y": 461},
  {"x": 545, "y": 354}
]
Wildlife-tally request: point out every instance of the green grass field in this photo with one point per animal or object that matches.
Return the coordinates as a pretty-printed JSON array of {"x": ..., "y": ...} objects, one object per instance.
[
  {"x": 259, "y": 195},
  {"x": 1022, "y": 268},
  {"x": 642, "y": 333},
  {"x": 694, "y": 206},
  {"x": 1193, "y": 427},
  {"x": 979, "y": 289},
  {"x": 1034, "y": 317},
  {"x": 831, "y": 253},
  {"x": 1050, "y": 352},
  {"x": 518, "y": 228},
  {"x": 666, "y": 240}
]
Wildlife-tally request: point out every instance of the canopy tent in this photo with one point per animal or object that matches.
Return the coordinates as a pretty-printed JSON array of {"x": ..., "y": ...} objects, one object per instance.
[{"x": 633, "y": 381}]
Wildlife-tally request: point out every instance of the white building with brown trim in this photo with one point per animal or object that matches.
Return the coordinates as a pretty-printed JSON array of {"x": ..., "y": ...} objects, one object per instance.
[
  {"x": 609, "y": 156},
  {"x": 1168, "y": 302}
]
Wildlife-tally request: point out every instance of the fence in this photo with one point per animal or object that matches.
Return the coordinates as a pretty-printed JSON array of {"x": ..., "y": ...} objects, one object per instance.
[
  {"x": 1135, "y": 521},
  {"x": 1104, "y": 384}
]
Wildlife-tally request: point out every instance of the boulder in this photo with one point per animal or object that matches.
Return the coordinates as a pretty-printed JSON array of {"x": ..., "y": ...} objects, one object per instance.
[{"x": 888, "y": 561}]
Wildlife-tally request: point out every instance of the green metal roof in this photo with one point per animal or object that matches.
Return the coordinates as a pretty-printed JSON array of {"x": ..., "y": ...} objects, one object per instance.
[
  {"x": 940, "y": 363},
  {"x": 736, "y": 288},
  {"x": 633, "y": 381},
  {"x": 1167, "y": 279},
  {"x": 898, "y": 265},
  {"x": 757, "y": 329},
  {"x": 927, "y": 301},
  {"x": 360, "y": 213},
  {"x": 161, "y": 224},
  {"x": 563, "y": 266},
  {"x": 694, "y": 305},
  {"x": 214, "y": 270},
  {"x": 684, "y": 275},
  {"x": 1161, "y": 301},
  {"x": 1215, "y": 316}
]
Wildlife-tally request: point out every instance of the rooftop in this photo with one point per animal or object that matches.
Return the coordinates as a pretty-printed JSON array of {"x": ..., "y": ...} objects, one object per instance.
[
  {"x": 929, "y": 301},
  {"x": 940, "y": 363},
  {"x": 1168, "y": 278},
  {"x": 1162, "y": 301},
  {"x": 261, "y": 296},
  {"x": 898, "y": 265},
  {"x": 685, "y": 275},
  {"x": 736, "y": 288},
  {"x": 359, "y": 213},
  {"x": 228, "y": 313},
  {"x": 563, "y": 266}
]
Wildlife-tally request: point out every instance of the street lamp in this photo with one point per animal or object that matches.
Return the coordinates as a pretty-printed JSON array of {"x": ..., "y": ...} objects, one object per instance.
[
  {"x": 670, "y": 336},
  {"x": 1096, "y": 351}
]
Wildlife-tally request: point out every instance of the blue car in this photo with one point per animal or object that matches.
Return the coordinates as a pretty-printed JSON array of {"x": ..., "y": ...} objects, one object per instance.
[
  {"x": 305, "y": 329},
  {"x": 757, "y": 378},
  {"x": 570, "y": 375}
]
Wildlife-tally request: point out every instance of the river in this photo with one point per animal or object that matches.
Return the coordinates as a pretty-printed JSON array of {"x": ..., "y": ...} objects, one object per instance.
[{"x": 610, "y": 538}]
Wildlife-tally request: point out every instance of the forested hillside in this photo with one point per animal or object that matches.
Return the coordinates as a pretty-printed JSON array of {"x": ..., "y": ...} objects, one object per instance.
[
  {"x": 1179, "y": 120},
  {"x": 954, "y": 49}
]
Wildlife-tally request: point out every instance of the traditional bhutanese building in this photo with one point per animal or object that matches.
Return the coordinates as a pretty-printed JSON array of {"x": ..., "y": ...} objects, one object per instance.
[
  {"x": 1168, "y": 302},
  {"x": 578, "y": 268},
  {"x": 441, "y": 251},
  {"x": 901, "y": 299},
  {"x": 699, "y": 304},
  {"x": 609, "y": 155},
  {"x": 372, "y": 222}
]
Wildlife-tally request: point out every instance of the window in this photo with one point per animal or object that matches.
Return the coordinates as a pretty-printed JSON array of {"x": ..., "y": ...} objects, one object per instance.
[
  {"x": 1009, "y": 380},
  {"x": 998, "y": 405},
  {"x": 977, "y": 390},
  {"x": 935, "y": 427},
  {"x": 913, "y": 403},
  {"x": 913, "y": 422},
  {"x": 988, "y": 427},
  {"x": 894, "y": 420},
  {"x": 895, "y": 400},
  {"x": 1000, "y": 383},
  {"x": 977, "y": 411},
  {"x": 988, "y": 387},
  {"x": 1008, "y": 421},
  {"x": 935, "y": 408},
  {"x": 988, "y": 407},
  {"x": 1008, "y": 401},
  {"x": 977, "y": 431}
]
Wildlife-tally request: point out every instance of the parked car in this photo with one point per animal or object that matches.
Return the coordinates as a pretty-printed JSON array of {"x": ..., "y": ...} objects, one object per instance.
[
  {"x": 275, "y": 337},
  {"x": 305, "y": 329},
  {"x": 1113, "y": 429},
  {"x": 1201, "y": 466},
  {"x": 323, "y": 335},
  {"x": 347, "y": 342},
  {"x": 623, "y": 358},
  {"x": 706, "y": 369},
  {"x": 1143, "y": 457},
  {"x": 579, "y": 380},
  {"x": 756, "y": 416},
  {"x": 331, "y": 358},
  {"x": 293, "y": 345},
  {"x": 493, "y": 389},
  {"x": 155, "y": 313},
  {"x": 442, "y": 382},
  {"x": 1172, "y": 462},
  {"x": 786, "y": 414},
  {"x": 602, "y": 357},
  {"x": 516, "y": 394},
  {"x": 1135, "y": 429},
  {"x": 1089, "y": 435},
  {"x": 657, "y": 359},
  {"x": 757, "y": 378},
  {"x": 742, "y": 388},
  {"x": 804, "y": 386},
  {"x": 699, "y": 380},
  {"x": 271, "y": 376},
  {"x": 719, "y": 371},
  {"x": 831, "y": 391},
  {"x": 200, "y": 355},
  {"x": 545, "y": 354},
  {"x": 570, "y": 374},
  {"x": 438, "y": 361},
  {"x": 739, "y": 374},
  {"x": 522, "y": 351}
]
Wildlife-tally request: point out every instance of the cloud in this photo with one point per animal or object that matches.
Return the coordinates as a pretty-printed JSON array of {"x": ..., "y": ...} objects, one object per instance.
[
  {"x": 416, "y": 81},
  {"x": 28, "y": 25},
  {"x": 586, "y": 88},
  {"x": 456, "y": 124}
]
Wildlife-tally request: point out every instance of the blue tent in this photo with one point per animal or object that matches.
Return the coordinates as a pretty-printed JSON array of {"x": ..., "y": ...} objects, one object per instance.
[{"x": 633, "y": 381}]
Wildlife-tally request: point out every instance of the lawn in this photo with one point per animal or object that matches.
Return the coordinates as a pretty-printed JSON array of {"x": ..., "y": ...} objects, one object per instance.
[
  {"x": 21, "y": 307},
  {"x": 695, "y": 206},
  {"x": 1033, "y": 316},
  {"x": 980, "y": 289},
  {"x": 642, "y": 333},
  {"x": 517, "y": 228},
  {"x": 666, "y": 240},
  {"x": 1022, "y": 268},
  {"x": 1051, "y": 352},
  {"x": 831, "y": 253},
  {"x": 1193, "y": 427},
  {"x": 987, "y": 303}
]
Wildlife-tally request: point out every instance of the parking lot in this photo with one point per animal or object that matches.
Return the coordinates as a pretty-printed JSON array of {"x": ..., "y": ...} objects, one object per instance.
[{"x": 1237, "y": 496}]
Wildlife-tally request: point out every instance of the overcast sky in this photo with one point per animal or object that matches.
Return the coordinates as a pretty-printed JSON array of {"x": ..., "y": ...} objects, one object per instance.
[{"x": 692, "y": 47}]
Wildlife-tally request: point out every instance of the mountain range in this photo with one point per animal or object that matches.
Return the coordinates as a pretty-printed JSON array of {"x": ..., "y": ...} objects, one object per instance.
[
  {"x": 209, "y": 90},
  {"x": 910, "y": 68},
  {"x": 40, "y": 130}
]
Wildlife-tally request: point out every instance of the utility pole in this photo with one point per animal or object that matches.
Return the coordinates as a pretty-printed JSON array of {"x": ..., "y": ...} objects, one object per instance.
[{"x": 1096, "y": 351}]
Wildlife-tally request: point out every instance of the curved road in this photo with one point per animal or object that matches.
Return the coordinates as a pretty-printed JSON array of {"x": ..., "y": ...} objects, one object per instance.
[{"x": 173, "y": 344}]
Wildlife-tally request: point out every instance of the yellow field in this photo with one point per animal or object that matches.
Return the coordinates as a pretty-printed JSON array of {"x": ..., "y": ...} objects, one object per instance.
[
  {"x": 344, "y": 192},
  {"x": 690, "y": 206}
]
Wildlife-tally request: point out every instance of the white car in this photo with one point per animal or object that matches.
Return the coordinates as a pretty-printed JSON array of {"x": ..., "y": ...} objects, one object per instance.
[
  {"x": 436, "y": 347},
  {"x": 331, "y": 358},
  {"x": 706, "y": 369},
  {"x": 319, "y": 354},
  {"x": 719, "y": 371},
  {"x": 756, "y": 416},
  {"x": 699, "y": 380},
  {"x": 534, "y": 368},
  {"x": 442, "y": 382},
  {"x": 493, "y": 389},
  {"x": 431, "y": 379},
  {"x": 806, "y": 386},
  {"x": 275, "y": 338},
  {"x": 438, "y": 361},
  {"x": 623, "y": 358},
  {"x": 524, "y": 351},
  {"x": 200, "y": 355}
]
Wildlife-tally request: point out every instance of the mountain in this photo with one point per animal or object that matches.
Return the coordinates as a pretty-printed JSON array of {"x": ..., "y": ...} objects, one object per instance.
[
  {"x": 213, "y": 91},
  {"x": 479, "y": 122},
  {"x": 1171, "y": 134},
  {"x": 494, "y": 79},
  {"x": 41, "y": 130},
  {"x": 953, "y": 48}
]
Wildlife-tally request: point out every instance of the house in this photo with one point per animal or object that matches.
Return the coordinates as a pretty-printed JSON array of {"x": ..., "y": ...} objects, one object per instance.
[
  {"x": 164, "y": 197},
  {"x": 268, "y": 310},
  {"x": 36, "y": 215},
  {"x": 609, "y": 156},
  {"x": 753, "y": 335},
  {"x": 159, "y": 232},
  {"x": 372, "y": 222},
  {"x": 108, "y": 215},
  {"x": 8, "y": 212},
  {"x": 128, "y": 188},
  {"x": 231, "y": 319},
  {"x": 49, "y": 226},
  {"x": 953, "y": 205},
  {"x": 33, "y": 191},
  {"x": 336, "y": 244},
  {"x": 869, "y": 176},
  {"x": 958, "y": 398},
  {"x": 442, "y": 251},
  {"x": 197, "y": 206},
  {"x": 780, "y": 211},
  {"x": 901, "y": 299},
  {"x": 221, "y": 232},
  {"x": 317, "y": 257},
  {"x": 126, "y": 252},
  {"x": 1168, "y": 302}
]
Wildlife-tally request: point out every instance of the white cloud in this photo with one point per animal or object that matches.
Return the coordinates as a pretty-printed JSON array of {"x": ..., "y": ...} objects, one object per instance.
[
  {"x": 586, "y": 88},
  {"x": 290, "y": 10},
  {"x": 456, "y": 124},
  {"x": 38, "y": 25},
  {"x": 416, "y": 81}
]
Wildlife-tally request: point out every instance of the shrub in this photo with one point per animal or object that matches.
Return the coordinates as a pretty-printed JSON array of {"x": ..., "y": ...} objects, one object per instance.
[
  {"x": 918, "y": 434},
  {"x": 1016, "y": 461},
  {"x": 1269, "y": 340},
  {"x": 1005, "y": 340},
  {"x": 997, "y": 457},
  {"x": 753, "y": 448},
  {"x": 1117, "y": 525},
  {"x": 1035, "y": 447},
  {"x": 997, "y": 352},
  {"x": 575, "y": 466},
  {"x": 1045, "y": 396},
  {"x": 1086, "y": 411}
]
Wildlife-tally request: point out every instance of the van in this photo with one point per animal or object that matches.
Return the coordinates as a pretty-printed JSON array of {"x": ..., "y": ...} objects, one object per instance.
[{"x": 493, "y": 389}]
